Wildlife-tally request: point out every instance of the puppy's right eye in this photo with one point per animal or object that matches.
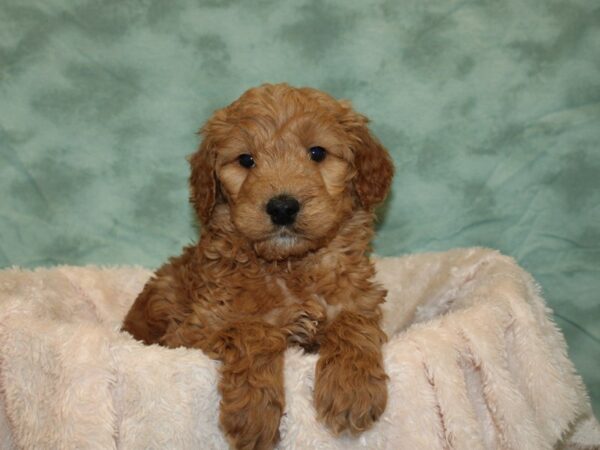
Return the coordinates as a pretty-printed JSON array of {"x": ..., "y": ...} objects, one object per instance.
[{"x": 246, "y": 161}]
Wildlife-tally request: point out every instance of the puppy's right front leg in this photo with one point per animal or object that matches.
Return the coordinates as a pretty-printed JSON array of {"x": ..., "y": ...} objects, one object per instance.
[{"x": 251, "y": 385}]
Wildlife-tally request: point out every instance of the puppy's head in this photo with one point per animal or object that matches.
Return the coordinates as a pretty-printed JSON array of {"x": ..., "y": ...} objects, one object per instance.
[{"x": 290, "y": 165}]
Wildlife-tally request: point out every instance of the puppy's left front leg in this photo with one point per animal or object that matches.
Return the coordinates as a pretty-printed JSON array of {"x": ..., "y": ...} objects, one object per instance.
[
  {"x": 251, "y": 385},
  {"x": 350, "y": 384}
]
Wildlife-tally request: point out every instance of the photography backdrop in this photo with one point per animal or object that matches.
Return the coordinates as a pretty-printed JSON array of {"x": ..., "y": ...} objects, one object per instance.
[{"x": 491, "y": 110}]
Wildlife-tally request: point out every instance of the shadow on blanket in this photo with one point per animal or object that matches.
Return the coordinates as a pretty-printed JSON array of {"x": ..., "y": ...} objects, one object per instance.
[{"x": 474, "y": 362}]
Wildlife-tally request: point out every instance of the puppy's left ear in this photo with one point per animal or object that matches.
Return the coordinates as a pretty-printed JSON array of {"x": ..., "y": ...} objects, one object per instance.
[{"x": 372, "y": 162}]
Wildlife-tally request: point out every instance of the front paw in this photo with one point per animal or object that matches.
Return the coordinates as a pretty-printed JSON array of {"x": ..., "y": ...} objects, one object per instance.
[
  {"x": 251, "y": 408},
  {"x": 250, "y": 419},
  {"x": 303, "y": 325},
  {"x": 349, "y": 395},
  {"x": 251, "y": 384}
]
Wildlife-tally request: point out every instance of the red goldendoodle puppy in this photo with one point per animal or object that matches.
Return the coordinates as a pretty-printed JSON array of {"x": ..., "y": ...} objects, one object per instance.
[{"x": 284, "y": 184}]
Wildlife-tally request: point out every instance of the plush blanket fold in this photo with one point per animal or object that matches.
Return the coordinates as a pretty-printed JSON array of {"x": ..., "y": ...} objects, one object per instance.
[{"x": 474, "y": 361}]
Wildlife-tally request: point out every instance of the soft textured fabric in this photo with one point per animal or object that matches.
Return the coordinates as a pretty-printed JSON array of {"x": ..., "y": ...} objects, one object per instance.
[
  {"x": 473, "y": 358},
  {"x": 489, "y": 108}
]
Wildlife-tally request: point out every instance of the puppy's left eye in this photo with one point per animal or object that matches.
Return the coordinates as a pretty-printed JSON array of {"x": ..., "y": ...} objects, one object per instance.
[{"x": 317, "y": 154}]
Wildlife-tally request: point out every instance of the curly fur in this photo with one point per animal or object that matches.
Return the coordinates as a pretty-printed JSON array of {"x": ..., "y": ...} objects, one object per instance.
[{"x": 248, "y": 289}]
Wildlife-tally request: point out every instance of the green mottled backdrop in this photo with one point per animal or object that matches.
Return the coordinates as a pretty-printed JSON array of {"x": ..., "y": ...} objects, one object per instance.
[{"x": 490, "y": 108}]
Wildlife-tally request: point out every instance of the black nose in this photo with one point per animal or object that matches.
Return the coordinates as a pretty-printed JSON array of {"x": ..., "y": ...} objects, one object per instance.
[{"x": 283, "y": 209}]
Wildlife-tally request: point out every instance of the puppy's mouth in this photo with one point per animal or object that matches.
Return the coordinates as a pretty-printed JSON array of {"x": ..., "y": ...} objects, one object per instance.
[
  {"x": 283, "y": 243},
  {"x": 285, "y": 237}
]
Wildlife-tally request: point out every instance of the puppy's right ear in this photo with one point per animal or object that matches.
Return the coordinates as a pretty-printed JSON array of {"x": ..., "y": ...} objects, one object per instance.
[{"x": 203, "y": 183}]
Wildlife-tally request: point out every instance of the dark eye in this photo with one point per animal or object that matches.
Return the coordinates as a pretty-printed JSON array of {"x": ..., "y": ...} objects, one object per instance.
[
  {"x": 246, "y": 161},
  {"x": 317, "y": 154}
]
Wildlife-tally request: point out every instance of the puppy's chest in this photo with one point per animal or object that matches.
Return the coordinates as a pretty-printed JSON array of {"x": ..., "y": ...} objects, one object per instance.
[{"x": 279, "y": 294}]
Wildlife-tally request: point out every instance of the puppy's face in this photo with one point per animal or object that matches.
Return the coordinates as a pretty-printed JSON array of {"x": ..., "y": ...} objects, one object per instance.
[{"x": 291, "y": 165}]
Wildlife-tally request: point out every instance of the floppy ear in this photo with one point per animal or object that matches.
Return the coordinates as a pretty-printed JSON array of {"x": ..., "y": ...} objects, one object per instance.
[
  {"x": 203, "y": 181},
  {"x": 205, "y": 191},
  {"x": 373, "y": 164}
]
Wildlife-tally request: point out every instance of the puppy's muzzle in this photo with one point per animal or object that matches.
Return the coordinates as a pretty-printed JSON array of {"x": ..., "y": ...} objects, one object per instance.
[{"x": 283, "y": 209}]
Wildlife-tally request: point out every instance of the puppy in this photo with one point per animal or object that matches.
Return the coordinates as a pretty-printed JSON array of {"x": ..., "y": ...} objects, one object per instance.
[{"x": 284, "y": 185}]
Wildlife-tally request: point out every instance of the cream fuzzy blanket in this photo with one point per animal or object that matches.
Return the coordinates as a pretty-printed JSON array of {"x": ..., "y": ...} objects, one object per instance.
[{"x": 474, "y": 360}]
